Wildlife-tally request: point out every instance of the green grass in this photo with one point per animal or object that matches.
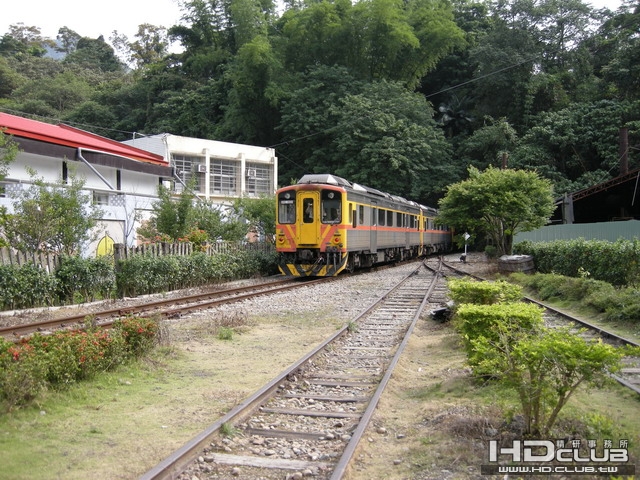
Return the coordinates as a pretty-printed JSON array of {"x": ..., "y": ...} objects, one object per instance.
[{"x": 66, "y": 433}]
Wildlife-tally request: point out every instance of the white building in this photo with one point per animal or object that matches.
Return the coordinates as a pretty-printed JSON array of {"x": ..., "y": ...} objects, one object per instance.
[
  {"x": 222, "y": 171},
  {"x": 123, "y": 178}
]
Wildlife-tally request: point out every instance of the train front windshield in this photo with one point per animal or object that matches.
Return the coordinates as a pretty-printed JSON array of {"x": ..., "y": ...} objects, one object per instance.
[
  {"x": 331, "y": 207},
  {"x": 287, "y": 207}
]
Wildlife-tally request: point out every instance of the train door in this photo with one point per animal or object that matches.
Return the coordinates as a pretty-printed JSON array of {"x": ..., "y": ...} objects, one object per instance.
[
  {"x": 309, "y": 228},
  {"x": 373, "y": 239}
]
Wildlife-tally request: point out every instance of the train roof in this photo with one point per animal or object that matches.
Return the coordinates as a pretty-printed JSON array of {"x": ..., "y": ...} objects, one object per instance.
[
  {"x": 324, "y": 178},
  {"x": 329, "y": 179}
]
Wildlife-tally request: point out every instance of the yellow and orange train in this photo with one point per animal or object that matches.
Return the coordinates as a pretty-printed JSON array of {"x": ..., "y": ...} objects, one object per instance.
[{"x": 325, "y": 224}]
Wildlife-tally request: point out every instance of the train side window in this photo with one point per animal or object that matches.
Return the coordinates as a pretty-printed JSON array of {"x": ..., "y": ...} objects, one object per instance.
[
  {"x": 361, "y": 213},
  {"x": 286, "y": 208},
  {"x": 398, "y": 219},
  {"x": 307, "y": 208},
  {"x": 331, "y": 206},
  {"x": 381, "y": 217},
  {"x": 390, "y": 218}
]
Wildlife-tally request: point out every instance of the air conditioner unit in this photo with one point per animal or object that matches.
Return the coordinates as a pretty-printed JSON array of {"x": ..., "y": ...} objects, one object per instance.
[
  {"x": 202, "y": 169},
  {"x": 251, "y": 172}
]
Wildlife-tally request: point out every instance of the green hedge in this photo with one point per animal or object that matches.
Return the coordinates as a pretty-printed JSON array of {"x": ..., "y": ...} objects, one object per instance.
[
  {"x": 26, "y": 286},
  {"x": 617, "y": 263},
  {"x": 81, "y": 280},
  {"x": 141, "y": 275},
  {"x": 463, "y": 290}
]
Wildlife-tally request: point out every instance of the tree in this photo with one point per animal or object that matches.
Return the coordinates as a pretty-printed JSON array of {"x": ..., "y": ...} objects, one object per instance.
[
  {"x": 94, "y": 54},
  {"x": 488, "y": 145},
  {"x": 498, "y": 203},
  {"x": 217, "y": 222},
  {"x": 260, "y": 213},
  {"x": 307, "y": 119},
  {"x": 172, "y": 217},
  {"x": 570, "y": 145},
  {"x": 8, "y": 152},
  {"x": 151, "y": 45},
  {"x": 67, "y": 40},
  {"x": 60, "y": 93},
  {"x": 386, "y": 138},
  {"x": 9, "y": 78},
  {"x": 56, "y": 217},
  {"x": 375, "y": 40},
  {"x": 24, "y": 39}
]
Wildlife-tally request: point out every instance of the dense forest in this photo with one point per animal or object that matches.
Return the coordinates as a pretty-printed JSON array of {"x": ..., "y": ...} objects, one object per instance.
[{"x": 400, "y": 95}]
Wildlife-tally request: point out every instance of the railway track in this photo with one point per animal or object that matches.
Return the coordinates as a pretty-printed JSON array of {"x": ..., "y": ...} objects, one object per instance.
[
  {"x": 309, "y": 420},
  {"x": 629, "y": 376},
  {"x": 168, "y": 307}
]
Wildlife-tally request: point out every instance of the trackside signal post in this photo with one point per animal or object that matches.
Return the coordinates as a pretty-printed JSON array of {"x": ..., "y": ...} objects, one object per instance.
[{"x": 464, "y": 255}]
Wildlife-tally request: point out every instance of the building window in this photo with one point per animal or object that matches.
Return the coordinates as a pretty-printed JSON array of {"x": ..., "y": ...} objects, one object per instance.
[
  {"x": 258, "y": 179},
  {"x": 188, "y": 168},
  {"x": 224, "y": 177},
  {"x": 100, "y": 198}
]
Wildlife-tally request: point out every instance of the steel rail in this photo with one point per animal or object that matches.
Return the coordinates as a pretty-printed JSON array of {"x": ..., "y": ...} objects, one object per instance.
[
  {"x": 174, "y": 464},
  {"x": 105, "y": 318},
  {"x": 599, "y": 330},
  {"x": 341, "y": 467}
]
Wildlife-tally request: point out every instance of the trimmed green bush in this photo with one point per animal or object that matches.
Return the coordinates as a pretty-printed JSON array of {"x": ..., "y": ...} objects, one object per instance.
[
  {"x": 26, "y": 286},
  {"x": 616, "y": 304},
  {"x": 142, "y": 274},
  {"x": 617, "y": 263},
  {"x": 483, "y": 293},
  {"x": 497, "y": 323},
  {"x": 81, "y": 280},
  {"x": 85, "y": 279}
]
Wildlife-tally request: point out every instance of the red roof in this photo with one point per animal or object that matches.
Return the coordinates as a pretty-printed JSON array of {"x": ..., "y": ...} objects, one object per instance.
[{"x": 73, "y": 137}]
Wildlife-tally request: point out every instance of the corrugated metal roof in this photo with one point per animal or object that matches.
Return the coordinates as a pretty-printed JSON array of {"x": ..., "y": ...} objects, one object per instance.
[{"x": 73, "y": 137}]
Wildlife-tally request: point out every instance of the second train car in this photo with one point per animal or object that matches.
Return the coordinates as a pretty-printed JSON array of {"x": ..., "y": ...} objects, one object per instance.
[{"x": 325, "y": 224}]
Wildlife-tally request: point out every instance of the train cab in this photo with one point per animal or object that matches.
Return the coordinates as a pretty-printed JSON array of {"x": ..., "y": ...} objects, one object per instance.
[{"x": 310, "y": 232}]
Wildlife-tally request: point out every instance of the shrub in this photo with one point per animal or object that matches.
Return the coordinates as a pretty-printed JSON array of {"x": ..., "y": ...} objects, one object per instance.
[
  {"x": 546, "y": 369},
  {"x": 26, "y": 286},
  {"x": 138, "y": 334},
  {"x": 617, "y": 263},
  {"x": 143, "y": 274},
  {"x": 483, "y": 293},
  {"x": 85, "y": 279},
  {"x": 22, "y": 374},
  {"x": 499, "y": 322},
  {"x": 617, "y": 304},
  {"x": 65, "y": 357}
]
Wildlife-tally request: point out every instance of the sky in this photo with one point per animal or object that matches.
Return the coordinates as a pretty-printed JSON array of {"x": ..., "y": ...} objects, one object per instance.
[
  {"x": 89, "y": 18},
  {"x": 92, "y": 19}
]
